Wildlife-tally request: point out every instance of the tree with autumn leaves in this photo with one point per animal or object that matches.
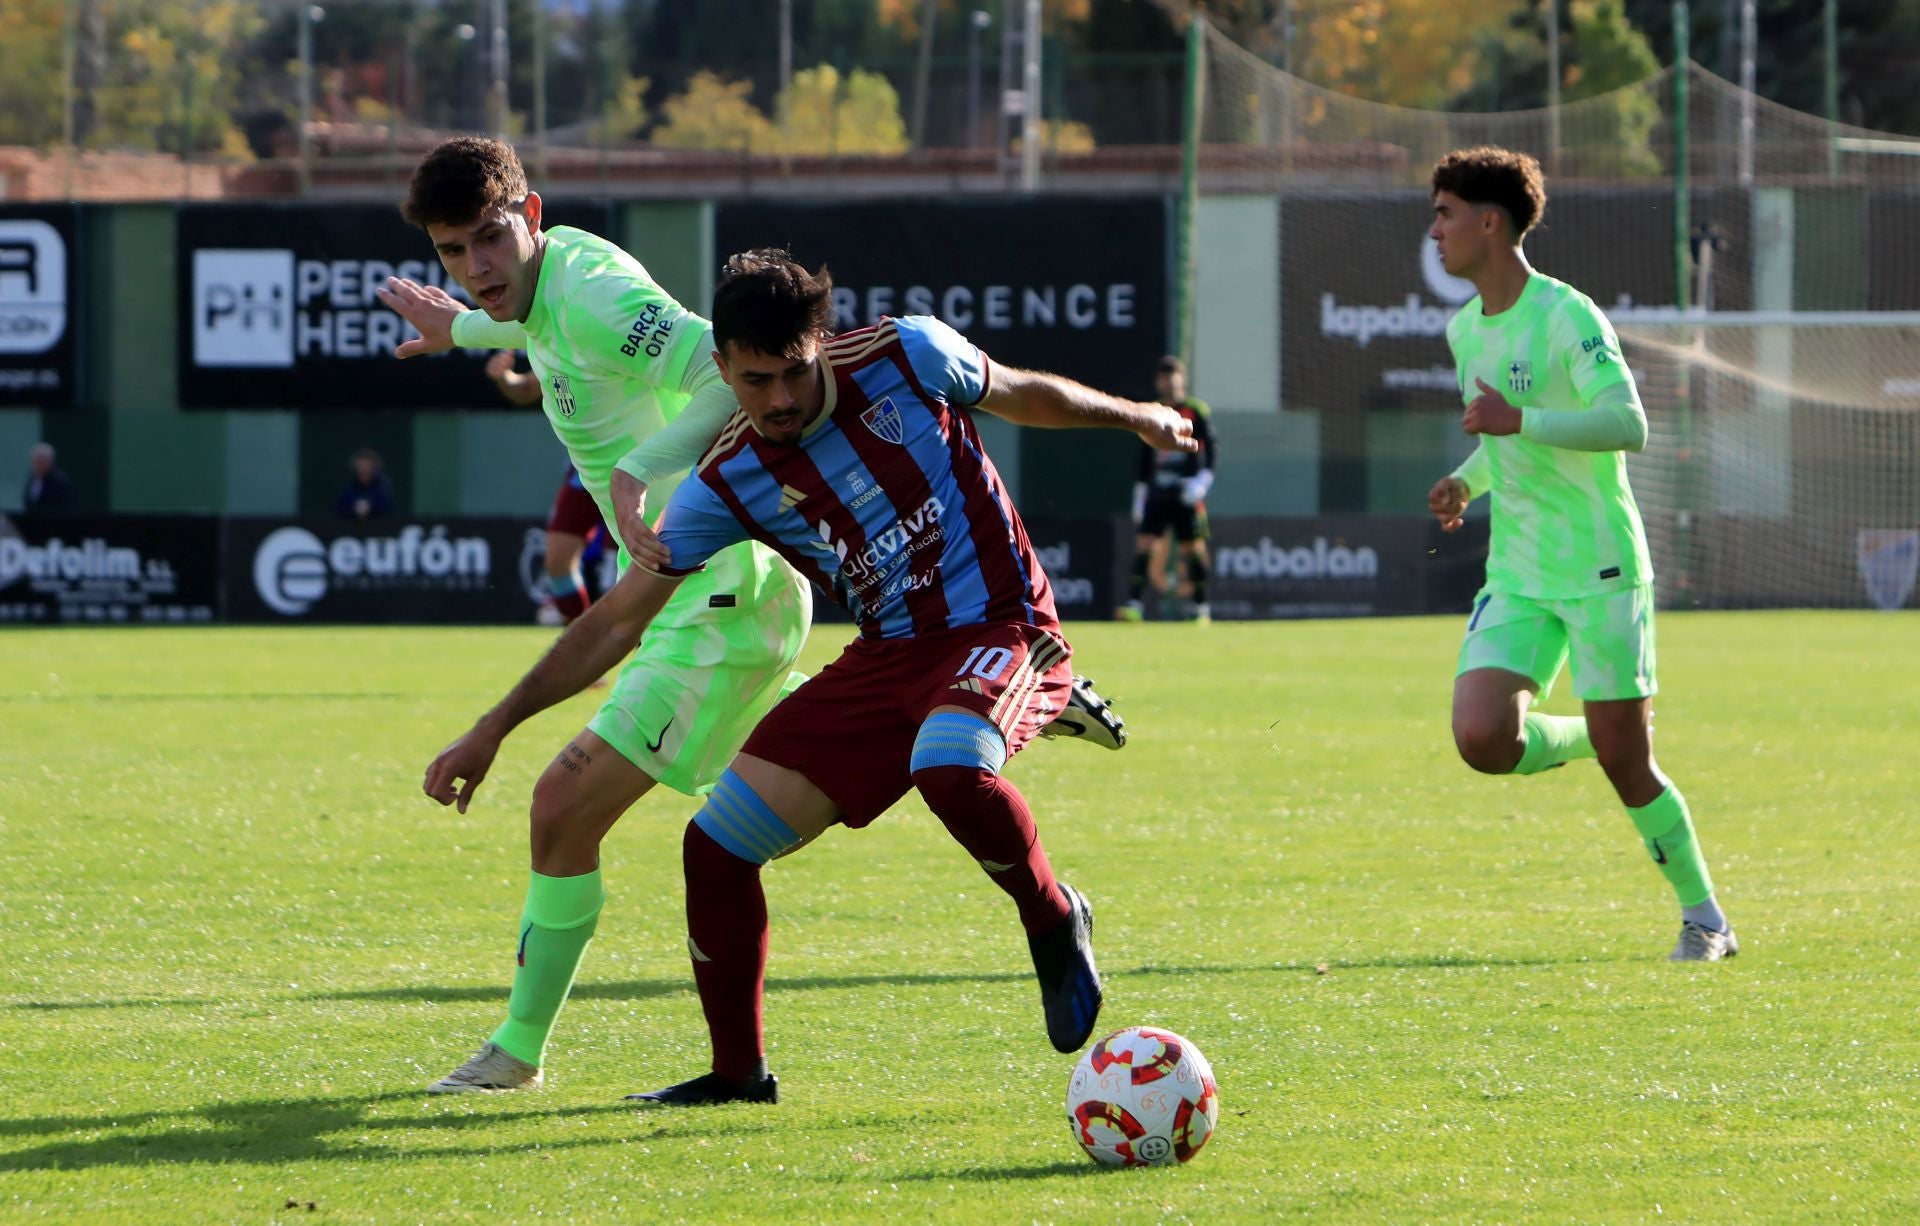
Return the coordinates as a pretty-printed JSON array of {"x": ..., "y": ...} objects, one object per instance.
[
  {"x": 148, "y": 74},
  {"x": 163, "y": 74}
]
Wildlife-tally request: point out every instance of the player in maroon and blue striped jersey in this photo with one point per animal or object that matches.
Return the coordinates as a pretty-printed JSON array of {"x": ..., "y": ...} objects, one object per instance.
[{"x": 856, "y": 459}]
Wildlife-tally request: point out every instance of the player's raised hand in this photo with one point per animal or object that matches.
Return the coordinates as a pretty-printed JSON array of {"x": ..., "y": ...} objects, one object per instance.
[
  {"x": 500, "y": 364},
  {"x": 430, "y": 309},
  {"x": 1164, "y": 429},
  {"x": 629, "y": 496},
  {"x": 469, "y": 759},
  {"x": 1448, "y": 501},
  {"x": 1489, "y": 413}
]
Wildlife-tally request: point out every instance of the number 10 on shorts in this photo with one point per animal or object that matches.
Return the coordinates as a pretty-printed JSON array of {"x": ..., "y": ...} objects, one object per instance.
[{"x": 986, "y": 663}]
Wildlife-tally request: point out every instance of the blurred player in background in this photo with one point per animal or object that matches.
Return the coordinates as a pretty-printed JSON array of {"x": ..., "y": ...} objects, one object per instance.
[
  {"x": 1170, "y": 494},
  {"x": 575, "y": 537},
  {"x": 615, "y": 357},
  {"x": 1556, "y": 410},
  {"x": 856, "y": 458}
]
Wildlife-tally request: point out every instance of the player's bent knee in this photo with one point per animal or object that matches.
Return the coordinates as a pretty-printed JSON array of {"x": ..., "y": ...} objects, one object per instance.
[
  {"x": 1488, "y": 748},
  {"x": 1627, "y": 765},
  {"x": 560, "y": 814},
  {"x": 736, "y": 818}
]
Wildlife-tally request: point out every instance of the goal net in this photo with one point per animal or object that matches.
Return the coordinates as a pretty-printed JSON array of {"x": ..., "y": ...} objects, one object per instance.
[{"x": 1782, "y": 465}]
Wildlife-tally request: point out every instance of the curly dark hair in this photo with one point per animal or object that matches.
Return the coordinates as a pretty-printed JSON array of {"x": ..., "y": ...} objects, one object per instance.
[
  {"x": 1505, "y": 178},
  {"x": 768, "y": 303},
  {"x": 463, "y": 178}
]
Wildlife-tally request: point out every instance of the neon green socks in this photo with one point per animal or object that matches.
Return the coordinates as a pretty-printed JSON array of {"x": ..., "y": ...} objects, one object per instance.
[
  {"x": 559, "y": 919},
  {"x": 1552, "y": 740},
  {"x": 1667, "y": 829}
]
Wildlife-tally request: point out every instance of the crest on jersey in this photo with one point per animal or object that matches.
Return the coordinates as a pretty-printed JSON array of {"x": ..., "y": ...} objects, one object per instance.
[
  {"x": 562, "y": 395},
  {"x": 1519, "y": 375},
  {"x": 1889, "y": 558},
  {"x": 885, "y": 420}
]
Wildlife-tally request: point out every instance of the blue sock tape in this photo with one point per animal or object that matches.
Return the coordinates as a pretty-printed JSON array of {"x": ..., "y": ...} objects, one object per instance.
[
  {"x": 950, "y": 738},
  {"x": 736, "y": 818}
]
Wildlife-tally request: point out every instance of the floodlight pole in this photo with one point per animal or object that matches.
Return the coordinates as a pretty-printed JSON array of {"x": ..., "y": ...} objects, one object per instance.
[
  {"x": 923, "y": 75},
  {"x": 1553, "y": 84},
  {"x": 1749, "y": 21},
  {"x": 1185, "y": 261},
  {"x": 977, "y": 22},
  {"x": 540, "y": 97},
  {"x": 1030, "y": 89},
  {"x": 785, "y": 100},
  {"x": 310, "y": 15},
  {"x": 497, "y": 57},
  {"x": 1830, "y": 57},
  {"x": 1682, "y": 223},
  {"x": 69, "y": 40}
]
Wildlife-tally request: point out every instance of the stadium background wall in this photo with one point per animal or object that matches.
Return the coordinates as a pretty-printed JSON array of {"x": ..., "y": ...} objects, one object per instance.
[
  {"x": 108, "y": 570},
  {"x": 133, "y": 447}
]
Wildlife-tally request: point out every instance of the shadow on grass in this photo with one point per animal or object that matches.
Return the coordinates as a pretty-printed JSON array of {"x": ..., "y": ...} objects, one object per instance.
[
  {"x": 258, "y": 1130},
  {"x": 644, "y": 989},
  {"x": 997, "y": 1174},
  {"x": 265, "y": 1131},
  {"x": 217, "y": 696}
]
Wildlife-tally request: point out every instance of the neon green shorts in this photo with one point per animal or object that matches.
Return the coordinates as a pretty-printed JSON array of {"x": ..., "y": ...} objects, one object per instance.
[
  {"x": 1609, "y": 637},
  {"x": 683, "y": 705}
]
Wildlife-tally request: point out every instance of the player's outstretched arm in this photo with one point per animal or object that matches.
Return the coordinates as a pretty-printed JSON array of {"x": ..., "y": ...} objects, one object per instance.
[
  {"x": 430, "y": 309},
  {"x": 1036, "y": 398},
  {"x": 443, "y": 322},
  {"x": 601, "y": 638}
]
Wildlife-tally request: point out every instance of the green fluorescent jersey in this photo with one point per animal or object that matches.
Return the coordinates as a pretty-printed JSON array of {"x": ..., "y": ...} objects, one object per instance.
[
  {"x": 1564, "y": 521},
  {"x": 618, "y": 359}
]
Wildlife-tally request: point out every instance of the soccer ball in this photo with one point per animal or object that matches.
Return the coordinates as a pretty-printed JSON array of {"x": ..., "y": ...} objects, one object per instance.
[{"x": 1142, "y": 1097}]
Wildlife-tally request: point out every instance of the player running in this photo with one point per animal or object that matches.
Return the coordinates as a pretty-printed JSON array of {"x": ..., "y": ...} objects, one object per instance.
[
  {"x": 1567, "y": 571},
  {"x": 858, "y": 461}
]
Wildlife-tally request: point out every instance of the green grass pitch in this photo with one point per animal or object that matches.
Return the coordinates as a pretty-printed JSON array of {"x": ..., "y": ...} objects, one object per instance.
[{"x": 238, "y": 941}]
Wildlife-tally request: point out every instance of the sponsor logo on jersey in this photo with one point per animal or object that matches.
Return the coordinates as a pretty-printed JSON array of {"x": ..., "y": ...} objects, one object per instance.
[
  {"x": 562, "y": 395},
  {"x": 790, "y": 497},
  {"x": 885, "y": 420},
  {"x": 863, "y": 491},
  {"x": 1519, "y": 375},
  {"x": 649, "y": 332},
  {"x": 882, "y": 551}
]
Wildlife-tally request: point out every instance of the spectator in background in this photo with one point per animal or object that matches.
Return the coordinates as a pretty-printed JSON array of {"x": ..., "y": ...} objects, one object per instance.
[
  {"x": 369, "y": 495},
  {"x": 48, "y": 489}
]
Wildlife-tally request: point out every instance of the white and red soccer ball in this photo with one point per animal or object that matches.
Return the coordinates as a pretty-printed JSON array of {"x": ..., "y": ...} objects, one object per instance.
[{"x": 1142, "y": 1097}]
